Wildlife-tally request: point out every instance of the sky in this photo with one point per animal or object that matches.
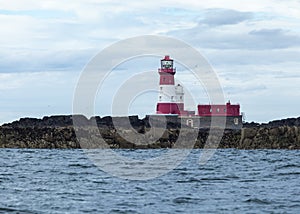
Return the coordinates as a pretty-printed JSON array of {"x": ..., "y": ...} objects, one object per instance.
[{"x": 253, "y": 46}]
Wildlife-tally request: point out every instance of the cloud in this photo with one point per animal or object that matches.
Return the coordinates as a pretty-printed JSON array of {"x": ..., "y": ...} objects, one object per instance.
[
  {"x": 238, "y": 57},
  {"x": 36, "y": 94},
  {"x": 230, "y": 38},
  {"x": 40, "y": 14},
  {"x": 219, "y": 17},
  {"x": 220, "y": 28},
  {"x": 274, "y": 38},
  {"x": 253, "y": 46},
  {"x": 25, "y": 60}
]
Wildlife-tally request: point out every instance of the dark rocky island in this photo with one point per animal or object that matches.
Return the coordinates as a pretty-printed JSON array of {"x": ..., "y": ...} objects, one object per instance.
[{"x": 58, "y": 132}]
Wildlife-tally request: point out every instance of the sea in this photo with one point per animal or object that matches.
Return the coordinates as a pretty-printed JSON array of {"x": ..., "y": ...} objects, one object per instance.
[{"x": 231, "y": 181}]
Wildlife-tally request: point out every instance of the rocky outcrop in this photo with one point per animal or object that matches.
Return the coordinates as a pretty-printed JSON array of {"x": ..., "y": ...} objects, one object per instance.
[
  {"x": 36, "y": 137},
  {"x": 281, "y": 137},
  {"x": 59, "y": 132},
  {"x": 274, "y": 123}
]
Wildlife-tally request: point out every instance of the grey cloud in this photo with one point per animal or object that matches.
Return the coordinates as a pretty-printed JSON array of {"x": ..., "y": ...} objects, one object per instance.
[
  {"x": 274, "y": 38},
  {"x": 257, "y": 57},
  {"x": 217, "y": 17},
  {"x": 254, "y": 39},
  {"x": 266, "y": 32},
  {"x": 44, "y": 60},
  {"x": 209, "y": 34},
  {"x": 238, "y": 89}
]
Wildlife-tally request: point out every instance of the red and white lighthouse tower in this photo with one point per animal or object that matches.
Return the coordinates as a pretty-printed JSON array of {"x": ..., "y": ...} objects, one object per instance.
[
  {"x": 170, "y": 98},
  {"x": 171, "y": 102}
]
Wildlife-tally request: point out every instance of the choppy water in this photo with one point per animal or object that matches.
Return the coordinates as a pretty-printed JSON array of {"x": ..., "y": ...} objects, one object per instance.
[{"x": 233, "y": 181}]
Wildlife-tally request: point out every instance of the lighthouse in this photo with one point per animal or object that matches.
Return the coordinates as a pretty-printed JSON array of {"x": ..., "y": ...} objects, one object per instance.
[
  {"x": 171, "y": 96},
  {"x": 171, "y": 103}
]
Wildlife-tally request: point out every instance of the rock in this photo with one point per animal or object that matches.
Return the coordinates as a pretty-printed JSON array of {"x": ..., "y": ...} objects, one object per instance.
[
  {"x": 249, "y": 132},
  {"x": 58, "y": 132}
]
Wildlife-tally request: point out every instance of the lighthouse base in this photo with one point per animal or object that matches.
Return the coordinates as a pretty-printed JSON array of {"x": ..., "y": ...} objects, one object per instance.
[
  {"x": 169, "y": 108},
  {"x": 177, "y": 121}
]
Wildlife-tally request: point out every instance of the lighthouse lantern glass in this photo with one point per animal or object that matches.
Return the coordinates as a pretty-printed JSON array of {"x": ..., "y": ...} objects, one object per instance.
[{"x": 167, "y": 64}]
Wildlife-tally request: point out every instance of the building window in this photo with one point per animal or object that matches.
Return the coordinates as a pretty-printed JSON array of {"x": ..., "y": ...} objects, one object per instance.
[
  {"x": 218, "y": 110},
  {"x": 159, "y": 97},
  {"x": 190, "y": 123},
  {"x": 161, "y": 88},
  {"x": 236, "y": 121},
  {"x": 225, "y": 110},
  {"x": 172, "y": 97},
  {"x": 210, "y": 110}
]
